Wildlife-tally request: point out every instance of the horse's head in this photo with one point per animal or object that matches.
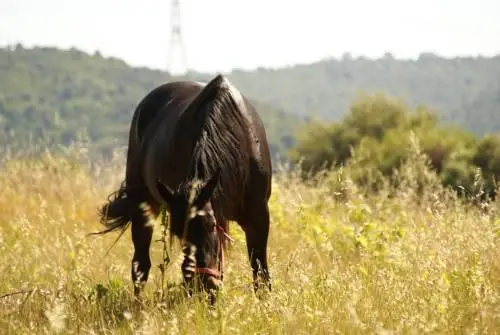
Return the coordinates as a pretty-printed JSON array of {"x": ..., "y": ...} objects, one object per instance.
[{"x": 192, "y": 219}]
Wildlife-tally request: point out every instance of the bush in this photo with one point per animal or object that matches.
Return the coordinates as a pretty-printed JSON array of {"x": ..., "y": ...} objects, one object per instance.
[{"x": 380, "y": 128}]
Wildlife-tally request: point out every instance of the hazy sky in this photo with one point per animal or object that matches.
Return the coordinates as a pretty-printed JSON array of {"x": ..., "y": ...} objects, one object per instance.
[{"x": 224, "y": 34}]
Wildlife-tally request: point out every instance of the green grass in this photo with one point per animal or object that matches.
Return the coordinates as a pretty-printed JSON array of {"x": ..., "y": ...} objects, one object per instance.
[{"x": 410, "y": 260}]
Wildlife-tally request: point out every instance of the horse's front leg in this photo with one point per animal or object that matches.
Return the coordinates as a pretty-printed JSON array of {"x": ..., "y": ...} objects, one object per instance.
[
  {"x": 256, "y": 227},
  {"x": 142, "y": 233}
]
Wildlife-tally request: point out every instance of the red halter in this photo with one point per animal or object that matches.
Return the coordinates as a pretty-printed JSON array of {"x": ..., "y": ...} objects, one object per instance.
[{"x": 216, "y": 273}]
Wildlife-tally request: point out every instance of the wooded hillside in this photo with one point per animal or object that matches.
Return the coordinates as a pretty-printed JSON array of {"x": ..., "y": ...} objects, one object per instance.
[
  {"x": 464, "y": 91},
  {"x": 57, "y": 94}
]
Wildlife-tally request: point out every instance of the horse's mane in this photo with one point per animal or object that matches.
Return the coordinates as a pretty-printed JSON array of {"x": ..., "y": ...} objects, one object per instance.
[{"x": 222, "y": 144}]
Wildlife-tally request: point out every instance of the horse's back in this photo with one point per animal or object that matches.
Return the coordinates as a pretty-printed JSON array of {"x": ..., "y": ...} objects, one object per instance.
[
  {"x": 174, "y": 94},
  {"x": 152, "y": 156}
]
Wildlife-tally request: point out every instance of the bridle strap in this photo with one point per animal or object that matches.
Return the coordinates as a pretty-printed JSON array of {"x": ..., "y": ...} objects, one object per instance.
[
  {"x": 208, "y": 271},
  {"x": 212, "y": 272}
]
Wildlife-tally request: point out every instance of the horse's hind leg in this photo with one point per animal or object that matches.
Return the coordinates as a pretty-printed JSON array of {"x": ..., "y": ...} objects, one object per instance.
[
  {"x": 255, "y": 224},
  {"x": 142, "y": 233}
]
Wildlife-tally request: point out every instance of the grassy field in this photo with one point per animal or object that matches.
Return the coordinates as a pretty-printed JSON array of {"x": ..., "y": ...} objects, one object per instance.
[{"x": 410, "y": 260}]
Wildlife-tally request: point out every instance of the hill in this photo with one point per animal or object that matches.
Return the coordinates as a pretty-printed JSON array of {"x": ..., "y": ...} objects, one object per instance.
[
  {"x": 56, "y": 96},
  {"x": 464, "y": 90}
]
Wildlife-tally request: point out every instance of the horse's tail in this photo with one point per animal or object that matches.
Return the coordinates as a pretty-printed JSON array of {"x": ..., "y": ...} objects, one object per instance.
[{"x": 118, "y": 211}]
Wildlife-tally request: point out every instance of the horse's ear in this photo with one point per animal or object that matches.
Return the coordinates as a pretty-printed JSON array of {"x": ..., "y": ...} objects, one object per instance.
[
  {"x": 206, "y": 191},
  {"x": 165, "y": 191}
]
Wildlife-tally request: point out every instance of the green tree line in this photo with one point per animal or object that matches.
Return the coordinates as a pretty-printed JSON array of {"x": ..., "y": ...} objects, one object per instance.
[
  {"x": 54, "y": 96},
  {"x": 57, "y": 97},
  {"x": 464, "y": 90}
]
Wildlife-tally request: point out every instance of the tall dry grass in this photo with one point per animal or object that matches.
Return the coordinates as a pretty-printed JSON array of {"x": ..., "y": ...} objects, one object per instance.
[{"x": 411, "y": 259}]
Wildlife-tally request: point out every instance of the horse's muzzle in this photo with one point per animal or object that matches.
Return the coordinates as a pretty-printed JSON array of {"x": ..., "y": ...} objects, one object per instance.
[{"x": 199, "y": 278}]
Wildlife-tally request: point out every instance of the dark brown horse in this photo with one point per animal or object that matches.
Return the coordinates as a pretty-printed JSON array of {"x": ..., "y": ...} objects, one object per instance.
[{"x": 188, "y": 136}]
